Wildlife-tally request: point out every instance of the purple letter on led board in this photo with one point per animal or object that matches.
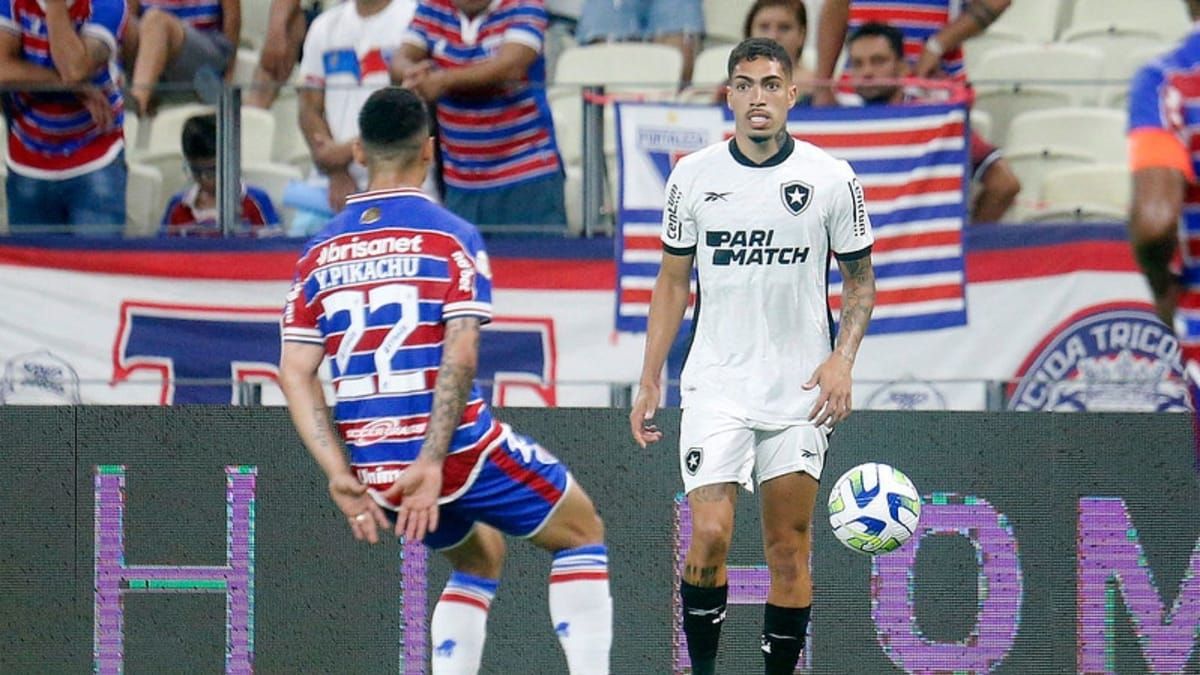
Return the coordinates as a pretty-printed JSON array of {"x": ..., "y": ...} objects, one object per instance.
[
  {"x": 1109, "y": 549},
  {"x": 114, "y": 578},
  {"x": 999, "y": 592}
]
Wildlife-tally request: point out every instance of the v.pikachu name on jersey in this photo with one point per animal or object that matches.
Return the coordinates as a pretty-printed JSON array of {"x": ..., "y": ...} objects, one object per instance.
[
  {"x": 391, "y": 267},
  {"x": 752, "y": 247}
]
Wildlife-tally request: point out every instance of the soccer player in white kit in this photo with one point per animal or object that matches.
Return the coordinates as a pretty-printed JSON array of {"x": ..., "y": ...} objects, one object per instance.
[{"x": 760, "y": 217}]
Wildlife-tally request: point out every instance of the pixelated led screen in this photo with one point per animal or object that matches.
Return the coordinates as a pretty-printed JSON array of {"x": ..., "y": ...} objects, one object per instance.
[{"x": 202, "y": 540}]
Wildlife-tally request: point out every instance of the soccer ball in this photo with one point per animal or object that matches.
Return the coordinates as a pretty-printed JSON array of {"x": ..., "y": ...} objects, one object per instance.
[{"x": 874, "y": 508}]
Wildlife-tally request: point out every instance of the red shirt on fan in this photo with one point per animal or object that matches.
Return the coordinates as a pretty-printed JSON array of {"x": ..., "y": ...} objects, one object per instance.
[{"x": 183, "y": 219}]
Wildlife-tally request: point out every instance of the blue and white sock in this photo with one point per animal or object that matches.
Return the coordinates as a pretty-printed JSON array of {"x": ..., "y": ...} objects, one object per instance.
[
  {"x": 459, "y": 624},
  {"x": 581, "y": 608}
]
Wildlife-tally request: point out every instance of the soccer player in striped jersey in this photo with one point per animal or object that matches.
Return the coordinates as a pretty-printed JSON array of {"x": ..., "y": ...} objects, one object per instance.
[
  {"x": 759, "y": 217},
  {"x": 934, "y": 31},
  {"x": 393, "y": 292},
  {"x": 1164, "y": 120}
]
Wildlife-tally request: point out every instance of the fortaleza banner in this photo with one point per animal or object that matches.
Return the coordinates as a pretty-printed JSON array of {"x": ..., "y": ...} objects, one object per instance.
[
  {"x": 1060, "y": 321},
  {"x": 910, "y": 161}
]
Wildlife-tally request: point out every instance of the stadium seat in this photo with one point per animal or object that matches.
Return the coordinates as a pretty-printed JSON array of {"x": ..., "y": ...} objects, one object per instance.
[
  {"x": 243, "y": 68},
  {"x": 255, "y": 19},
  {"x": 289, "y": 139},
  {"x": 567, "y": 112},
  {"x": 724, "y": 19},
  {"x": 978, "y": 47},
  {"x": 166, "y": 126},
  {"x": 1119, "y": 71},
  {"x": 711, "y": 66},
  {"x": 625, "y": 66},
  {"x": 170, "y": 167},
  {"x": 1065, "y": 9},
  {"x": 573, "y": 195},
  {"x": 258, "y": 131},
  {"x": 1097, "y": 132},
  {"x": 274, "y": 178},
  {"x": 1115, "y": 46},
  {"x": 1168, "y": 19},
  {"x": 143, "y": 200},
  {"x": 1017, "y": 79},
  {"x": 1042, "y": 141},
  {"x": 981, "y": 123},
  {"x": 258, "y": 134},
  {"x": 1094, "y": 191},
  {"x": 132, "y": 129},
  {"x": 1034, "y": 21}
]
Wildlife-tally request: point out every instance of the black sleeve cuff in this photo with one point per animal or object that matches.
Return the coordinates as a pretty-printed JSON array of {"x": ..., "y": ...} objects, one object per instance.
[
  {"x": 690, "y": 250},
  {"x": 854, "y": 255}
]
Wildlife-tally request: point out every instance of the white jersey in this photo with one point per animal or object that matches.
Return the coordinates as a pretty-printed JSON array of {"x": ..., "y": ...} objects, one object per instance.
[
  {"x": 762, "y": 235},
  {"x": 348, "y": 56}
]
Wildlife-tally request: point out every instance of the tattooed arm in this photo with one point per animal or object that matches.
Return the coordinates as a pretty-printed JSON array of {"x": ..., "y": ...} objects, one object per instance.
[
  {"x": 298, "y": 367},
  {"x": 460, "y": 356},
  {"x": 833, "y": 376},
  {"x": 858, "y": 301},
  {"x": 420, "y": 485}
]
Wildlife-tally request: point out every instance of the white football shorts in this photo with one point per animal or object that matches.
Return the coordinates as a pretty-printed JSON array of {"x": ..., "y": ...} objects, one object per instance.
[{"x": 717, "y": 447}]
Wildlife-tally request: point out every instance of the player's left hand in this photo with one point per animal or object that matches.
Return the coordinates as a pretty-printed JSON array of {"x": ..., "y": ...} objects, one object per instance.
[
  {"x": 417, "y": 489},
  {"x": 833, "y": 379},
  {"x": 363, "y": 514}
]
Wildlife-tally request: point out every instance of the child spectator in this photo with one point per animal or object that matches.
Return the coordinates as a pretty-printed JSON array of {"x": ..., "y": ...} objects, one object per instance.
[{"x": 193, "y": 211}]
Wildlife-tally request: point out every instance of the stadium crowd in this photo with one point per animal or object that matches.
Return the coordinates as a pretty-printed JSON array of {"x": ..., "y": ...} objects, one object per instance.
[{"x": 104, "y": 95}]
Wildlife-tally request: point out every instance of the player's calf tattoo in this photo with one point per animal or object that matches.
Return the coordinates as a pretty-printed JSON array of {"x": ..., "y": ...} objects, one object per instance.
[{"x": 704, "y": 577}]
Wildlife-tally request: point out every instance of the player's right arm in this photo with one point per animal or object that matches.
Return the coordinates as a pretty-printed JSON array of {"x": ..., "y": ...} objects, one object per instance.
[
  {"x": 668, "y": 302},
  {"x": 421, "y": 483},
  {"x": 1161, "y": 167}
]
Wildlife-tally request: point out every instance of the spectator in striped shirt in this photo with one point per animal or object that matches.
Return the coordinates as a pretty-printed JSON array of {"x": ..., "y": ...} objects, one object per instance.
[
  {"x": 934, "y": 31},
  {"x": 174, "y": 40},
  {"x": 193, "y": 211},
  {"x": 66, "y": 162},
  {"x": 481, "y": 62}
]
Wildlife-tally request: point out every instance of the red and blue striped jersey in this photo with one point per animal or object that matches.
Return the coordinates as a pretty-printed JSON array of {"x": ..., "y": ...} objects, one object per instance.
[
  {"x": 1164, "y": 131},
  {"x": 918, "y": 20},
  {"x": 51, "y": 135},
  {"x": 183, "y": 219},
  {"x": 375, "y": 288},
  {"x": 507, "y": 136},
  {"x": 204, "y": 15}
]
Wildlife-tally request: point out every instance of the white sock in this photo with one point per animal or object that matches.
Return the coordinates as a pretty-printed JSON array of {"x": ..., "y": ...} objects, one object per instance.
[
  {"x": 581, "y": 608},
  {"x": 459, "y": 624}
]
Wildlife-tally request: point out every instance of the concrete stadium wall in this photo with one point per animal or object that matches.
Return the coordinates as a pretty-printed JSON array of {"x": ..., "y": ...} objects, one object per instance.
[{"x": 201, "y": 539}]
